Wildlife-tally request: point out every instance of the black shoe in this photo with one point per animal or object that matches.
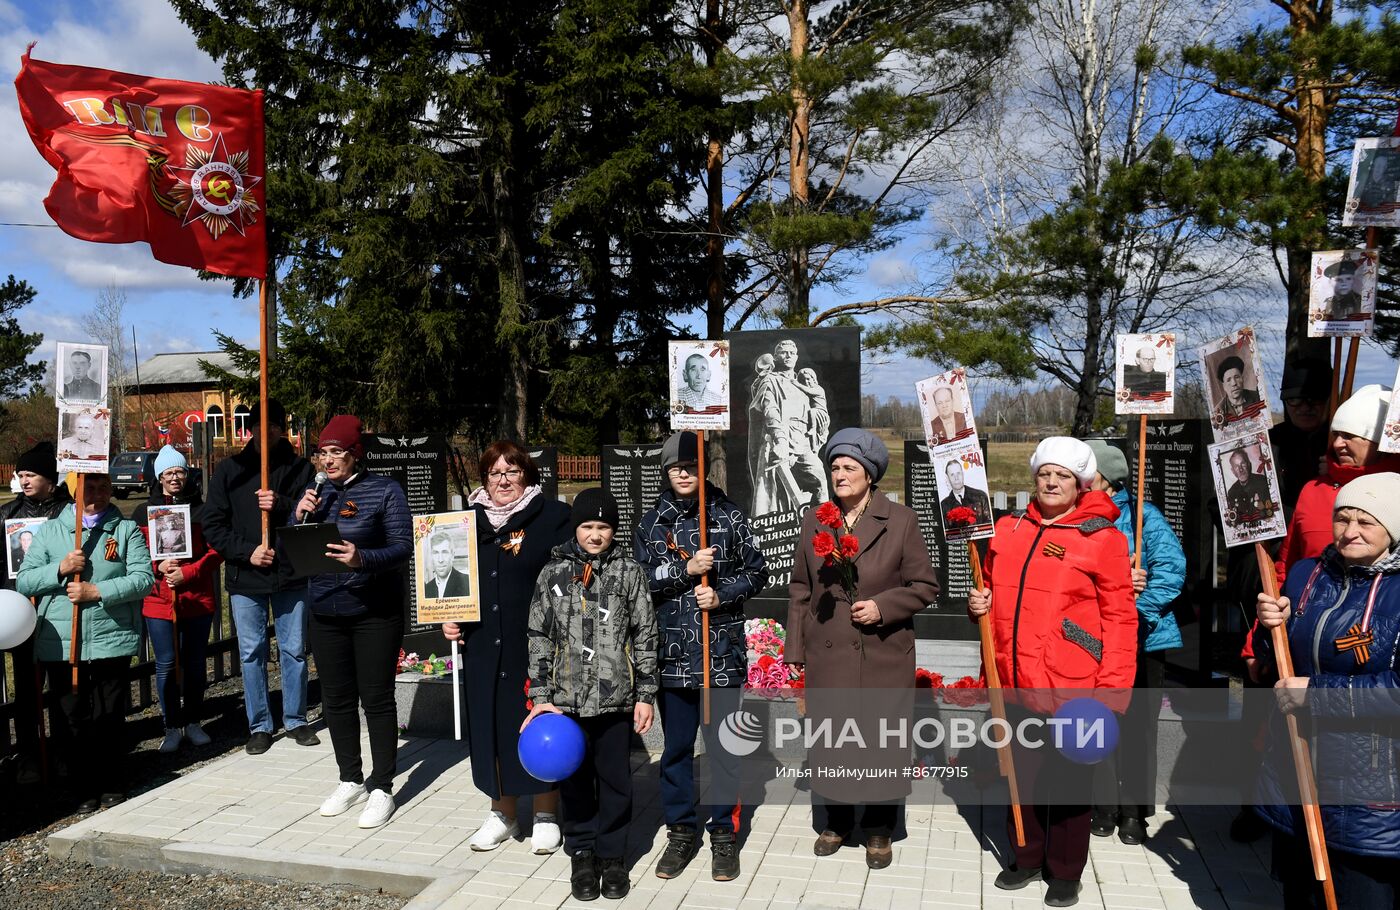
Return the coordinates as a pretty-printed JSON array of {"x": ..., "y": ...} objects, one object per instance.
[
  {"x": 1101, "y": 825},
  {"x": 1248, "y": 827},
  {"x": 724, "y": 855},
  {"x": 112, "y": 799},
  {"x": 304, "y": 736},
  {"x": 1062, "y": 893},
  {"x": 88, "y": 806},
  {"x": 614, "y": 879},
  {"x": 258, "y": 743},
  {"x": 1132, "y": 831},
  {"x": 682, "y": 843},
  {"x": 1014, "y": 879},
  {"x": 583, "y": 880}
]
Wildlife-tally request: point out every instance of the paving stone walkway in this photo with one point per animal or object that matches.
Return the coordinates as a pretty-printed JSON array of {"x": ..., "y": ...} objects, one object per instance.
[{"x": 257, "y": 816}]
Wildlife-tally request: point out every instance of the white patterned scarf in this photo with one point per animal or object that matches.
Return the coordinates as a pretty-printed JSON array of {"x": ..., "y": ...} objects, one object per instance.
[{"x": 499, "y": 515}]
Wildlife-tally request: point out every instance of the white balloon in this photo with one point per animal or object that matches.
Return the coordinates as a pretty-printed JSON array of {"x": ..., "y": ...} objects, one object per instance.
[{"x": 17, "y": 619}]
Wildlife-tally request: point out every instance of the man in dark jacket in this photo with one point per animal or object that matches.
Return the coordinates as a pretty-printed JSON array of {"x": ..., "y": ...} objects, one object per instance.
[
  {"x": 257, "y": 580},
  {"x": 41, "y": 496},
  {"x": 686, "y": 580}
]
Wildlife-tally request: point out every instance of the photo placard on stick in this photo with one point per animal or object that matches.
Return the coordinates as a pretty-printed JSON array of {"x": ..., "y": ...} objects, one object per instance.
[
  {"x": 82, "y": 374},
  {"x": 699, "y": 380},
  {"x": 445, "y": 565},
  {"x": 1145, "y": 373},
  {"x": 170, "y": 532},
  {"x": 1235, "y": 388},
  {"x": 946, "y": 406},
  {"x": 1375, "y": 183},
  {"x": 964, "y": 502},
  {"x": 84, "y": 438},
  {"x": 19, "y": 534},
  {"x": 1390, "y": 437},
  {"x": 1246, "y": 487},
  {"x": 1342, "y": 293}
]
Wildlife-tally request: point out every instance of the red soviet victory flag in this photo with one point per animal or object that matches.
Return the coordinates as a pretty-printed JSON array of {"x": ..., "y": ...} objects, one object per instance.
[{"x": 178, "y": 165}]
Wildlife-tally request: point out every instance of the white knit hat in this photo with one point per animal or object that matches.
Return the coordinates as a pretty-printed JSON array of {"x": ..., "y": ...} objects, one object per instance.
[
  {"x": 1377, "y": 495},
  {"x": 1069, "y": 453},
  {"x": 1363, "y": 414}
]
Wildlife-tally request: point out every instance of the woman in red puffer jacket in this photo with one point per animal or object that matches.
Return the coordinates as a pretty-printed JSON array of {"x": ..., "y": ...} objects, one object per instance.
[
  {"x": 180, "y": 606},
  {"x": 1064, "y": 620}
]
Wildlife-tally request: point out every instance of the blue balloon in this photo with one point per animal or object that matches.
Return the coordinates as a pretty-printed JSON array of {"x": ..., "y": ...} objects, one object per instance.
[
  {"x": 1091, "y": 733},
  {"x": 551, "y": 748}
]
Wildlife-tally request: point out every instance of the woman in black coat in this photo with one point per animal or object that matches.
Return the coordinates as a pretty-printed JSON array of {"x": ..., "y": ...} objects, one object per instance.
[{"x": 517, "y": 527}]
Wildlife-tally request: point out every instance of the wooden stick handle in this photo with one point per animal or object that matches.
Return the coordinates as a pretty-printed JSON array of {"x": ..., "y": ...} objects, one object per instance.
[
  {"x": 263, "y": 446},
  {"x": 705, "y": 579},
  {"x": 1336, "y": 377},
  {"x": 1005, "y": 762},
  {"x": 1302, "y": 760},
  {"x": 1141, "y": 481},
  {"x": 1350, "y": 376},
  {"x": 74, "y": 649}
]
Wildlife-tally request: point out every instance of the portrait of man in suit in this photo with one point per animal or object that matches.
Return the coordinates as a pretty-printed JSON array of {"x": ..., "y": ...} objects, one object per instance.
[
  {"x": 86, "y": 439},
  {"x": 948, "y": 423},
  {"x": 1236, "y": 394},
  {"x": 1248, "y": 497},
  {"x": 960, "y": 495},
  {"x": 445, "y": 581},
  {"x": 79, "y": 386},
  {"x": 1142, "y": 378}
]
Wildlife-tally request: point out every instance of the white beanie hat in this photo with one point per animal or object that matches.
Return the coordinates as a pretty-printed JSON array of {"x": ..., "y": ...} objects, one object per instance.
[
  {"x": 1363, "y": 414},
  {"x": 1377, "y": 495},
  {"x": 1069, "y": 453}
]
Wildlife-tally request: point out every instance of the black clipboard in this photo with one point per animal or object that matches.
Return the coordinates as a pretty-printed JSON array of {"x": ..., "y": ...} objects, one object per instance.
[{"x": 304, "y": 548}]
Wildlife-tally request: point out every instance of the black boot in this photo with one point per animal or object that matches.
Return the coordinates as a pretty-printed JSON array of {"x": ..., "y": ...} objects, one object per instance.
[
  {"x": 724, "y": 855},
  {"x": 584, "y": 879},
  {"x": 615, "y": 883},
  {"x": 1016, "y": 878},
  {"x": 682, "y": 843},
  {"x": 1131, "y": 830},
  {"x": 1062, "y": 893}
]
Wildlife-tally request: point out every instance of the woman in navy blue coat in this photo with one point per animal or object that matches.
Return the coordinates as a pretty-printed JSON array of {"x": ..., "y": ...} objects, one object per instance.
[
  {"x": 1344, "y": 638},
  {"x": 517, "y": 528},
  {"x": 356, "y": 617}
]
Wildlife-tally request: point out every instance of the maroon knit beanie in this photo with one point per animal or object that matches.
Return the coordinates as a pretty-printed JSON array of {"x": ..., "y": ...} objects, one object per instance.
[{"x": 344, "y": 431}]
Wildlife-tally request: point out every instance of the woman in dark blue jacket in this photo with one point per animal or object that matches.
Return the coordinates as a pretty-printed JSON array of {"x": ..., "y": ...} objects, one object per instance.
[
  {"x": 357, "y": 617},
  {"x": 1344, "y": 638}
]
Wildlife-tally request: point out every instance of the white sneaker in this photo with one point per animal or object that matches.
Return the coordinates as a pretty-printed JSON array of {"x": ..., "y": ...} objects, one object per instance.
[
  {"x": 172, "y": 741},
  {"x": 496, "y": 831},
  {"x": 196, "y": 735},
  {"x": 345, "y": 796},
  {"x": 545, "y": 837},
  {"x": 379, "y": 809}
]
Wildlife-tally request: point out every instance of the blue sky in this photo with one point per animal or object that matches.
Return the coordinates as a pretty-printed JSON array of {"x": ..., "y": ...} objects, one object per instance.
[{"x": 171, "y": 309}]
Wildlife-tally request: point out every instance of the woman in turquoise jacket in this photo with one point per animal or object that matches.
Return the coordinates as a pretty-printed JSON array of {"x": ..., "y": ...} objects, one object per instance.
[
  {"x": 1125, "y": 784},
  {"x": 114, "y": 570}
]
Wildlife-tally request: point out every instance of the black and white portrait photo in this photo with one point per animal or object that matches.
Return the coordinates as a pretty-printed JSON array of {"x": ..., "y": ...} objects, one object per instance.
[
  {"x": 699, "y": 374},
  {"x": 82, "y": 374},
  {"x": 963, "y": 498},
  {"x": 1342, "y": 293},
  {"x": 1246, "y": 486},
  {"x": 1375, "y": 184},
  {"x": 946, "y": 408},
  {"x": 446, "y": 579},
  {"x": 1236, "y": 392},
  {"x": 19, "y": 535},
  {"x": 84, "y": 436},
  {"x": 170, "y": 532},
  {"x": 1146, "y": 373},
  {"x": 444, "y": 562}
]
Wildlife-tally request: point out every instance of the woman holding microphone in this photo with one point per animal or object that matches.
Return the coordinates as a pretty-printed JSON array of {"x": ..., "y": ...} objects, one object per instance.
[{"x": 356, "y": 624}]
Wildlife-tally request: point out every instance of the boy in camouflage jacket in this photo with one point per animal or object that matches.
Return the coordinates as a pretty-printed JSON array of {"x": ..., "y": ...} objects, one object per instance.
[{"x": 592, "y": 644}]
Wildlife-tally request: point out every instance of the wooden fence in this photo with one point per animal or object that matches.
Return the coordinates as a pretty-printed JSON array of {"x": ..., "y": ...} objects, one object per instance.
[{"x": 580, "y": 467}]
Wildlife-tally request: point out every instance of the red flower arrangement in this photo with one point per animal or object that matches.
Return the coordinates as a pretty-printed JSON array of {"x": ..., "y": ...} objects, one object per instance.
[
  {"x": 962, "y": 517},
  {"x": 829, "y": 514},
  {"x": 927, "y": 679},
  {"x": 966, "y": 692}
]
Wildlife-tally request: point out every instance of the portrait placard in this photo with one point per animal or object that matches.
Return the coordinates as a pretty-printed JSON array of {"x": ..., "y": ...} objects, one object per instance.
[
  {"x": 1375, "y": 183},
  {"x": 699, "y": 372},
  {"x": 82, "y": 374},
  {"x": 946, "y": 406},
  {"x": 19, "y": 534},
  {"x": 1390, "y": 436},
  {"x": 964, "y": 502},
  {"x": 1342, "y": 293},
  {"x": 170, "y": 532},
  {"x": 445, "y": 566},
  {"x": 1246, "y": 487},
  {"x": 1236, "y": 391},
  {"x": 84, "y": 436},
  {"x": 1144, "y": 373}
]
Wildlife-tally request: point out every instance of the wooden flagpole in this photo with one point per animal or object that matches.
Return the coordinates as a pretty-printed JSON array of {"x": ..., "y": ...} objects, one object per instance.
[
  {"x": 74, "y": 649},
  {"x": 705, "y": 579},
  {"x": 1302, "y": 761},
  {"x": 1005, "y": 762},
  {"x": 1141, "y": 480}
]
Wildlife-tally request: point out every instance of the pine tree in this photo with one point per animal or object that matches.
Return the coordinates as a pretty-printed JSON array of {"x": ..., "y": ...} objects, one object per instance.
[{"x": 17, "y": 374}]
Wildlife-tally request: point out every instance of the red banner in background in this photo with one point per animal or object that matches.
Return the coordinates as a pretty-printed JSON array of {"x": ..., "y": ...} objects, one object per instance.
[{"x": 178, "y": 165}]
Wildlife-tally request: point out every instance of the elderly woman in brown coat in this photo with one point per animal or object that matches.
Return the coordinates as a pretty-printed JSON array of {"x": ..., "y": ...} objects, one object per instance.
[{"x": 858, "y": 651}]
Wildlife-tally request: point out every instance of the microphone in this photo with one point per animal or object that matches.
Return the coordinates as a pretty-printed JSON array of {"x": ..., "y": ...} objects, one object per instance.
[{"x": 322, "y": 478}]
